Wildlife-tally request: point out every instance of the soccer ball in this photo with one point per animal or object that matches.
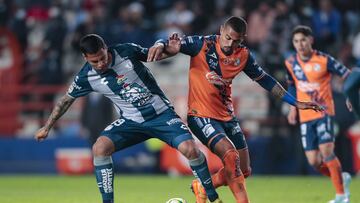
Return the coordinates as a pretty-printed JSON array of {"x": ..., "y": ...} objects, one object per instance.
[{"x": 176, "y": 200}]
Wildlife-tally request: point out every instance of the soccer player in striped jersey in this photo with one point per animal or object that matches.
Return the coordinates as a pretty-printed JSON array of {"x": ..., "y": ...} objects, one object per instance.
[
  {"x": 215, "y": 61},
  {"x": 309, "y": 74},
  {"x": 118, "y": 73}
]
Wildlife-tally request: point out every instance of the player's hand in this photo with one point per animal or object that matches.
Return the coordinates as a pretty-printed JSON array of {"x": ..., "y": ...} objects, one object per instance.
[
  {"x": 155, "y": 52},
  {"x": 292, "y": 116},
  {"x": 41, "y": 134},
  {"x": 174, "y": 44},
  {"x": 309, "y": 105},
  {"x": 348, "y": 104}
]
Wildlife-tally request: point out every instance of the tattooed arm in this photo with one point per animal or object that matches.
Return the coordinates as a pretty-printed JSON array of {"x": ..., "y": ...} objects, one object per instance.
[
  {"x": 61, "y": 107},
  {"x": 273, "y": 86}
]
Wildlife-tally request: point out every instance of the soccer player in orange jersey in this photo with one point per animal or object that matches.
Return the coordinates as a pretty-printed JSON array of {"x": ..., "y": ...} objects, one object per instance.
[
  {"x": 309, "y": 74},
  {"x": 215, "y": 61}
]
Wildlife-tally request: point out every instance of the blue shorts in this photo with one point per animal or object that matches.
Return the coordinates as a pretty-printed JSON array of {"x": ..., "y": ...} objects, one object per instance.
[
  {"x": 205, "y": 129},
  {"x": 167, "y": 127},
  {"x": 316, "y": 132}
]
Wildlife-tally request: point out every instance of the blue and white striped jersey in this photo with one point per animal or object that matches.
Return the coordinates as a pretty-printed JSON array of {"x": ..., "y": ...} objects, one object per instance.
[{"x": 128, "y": 83}]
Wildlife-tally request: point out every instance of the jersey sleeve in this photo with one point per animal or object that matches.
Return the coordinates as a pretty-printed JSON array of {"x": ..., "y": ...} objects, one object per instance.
[
  {"x": 191, "y": 45},
  {"x": 137, "y": 52},
  {"x": 336, "y": 67},
  {"x": 79, "y": 87},
  {"x": 253, "y": 69}
]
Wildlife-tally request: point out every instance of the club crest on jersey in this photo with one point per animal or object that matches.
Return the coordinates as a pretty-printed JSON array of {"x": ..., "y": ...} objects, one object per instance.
[
  {"x": 231, "y": 61},
  {"x": 120, "y": 79}
]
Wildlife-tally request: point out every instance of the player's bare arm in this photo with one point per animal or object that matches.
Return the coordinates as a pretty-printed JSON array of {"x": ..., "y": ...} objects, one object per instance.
[
  {"x": 60, "y": 108},
  {"x": 162, "y": 50}
]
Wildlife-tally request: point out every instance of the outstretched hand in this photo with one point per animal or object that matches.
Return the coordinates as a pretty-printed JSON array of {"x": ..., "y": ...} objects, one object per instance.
[
  {"x": 159, "y": 51},
  {"x": 310, "y": 105},
  {"x": 174, "y": 44}
]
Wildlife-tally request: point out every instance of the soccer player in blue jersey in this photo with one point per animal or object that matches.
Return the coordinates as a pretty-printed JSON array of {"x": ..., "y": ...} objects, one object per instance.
[
  {"x": 351, "y": 89},
  {"x": 118, "y": 73}
]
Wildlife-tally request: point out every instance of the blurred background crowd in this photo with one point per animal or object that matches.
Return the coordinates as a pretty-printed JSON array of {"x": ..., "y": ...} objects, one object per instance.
[{"x": 39, "y": 55}]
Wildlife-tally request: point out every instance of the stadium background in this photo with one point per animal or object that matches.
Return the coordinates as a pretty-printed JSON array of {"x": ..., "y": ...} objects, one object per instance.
[{"x": 39, "y": 56}]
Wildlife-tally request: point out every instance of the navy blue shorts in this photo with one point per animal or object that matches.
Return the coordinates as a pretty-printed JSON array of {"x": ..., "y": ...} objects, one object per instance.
[
  {"x": 167, "y": 127},
  {"x": 316, "y": 132},
  {"x": 205, "y": 129}
]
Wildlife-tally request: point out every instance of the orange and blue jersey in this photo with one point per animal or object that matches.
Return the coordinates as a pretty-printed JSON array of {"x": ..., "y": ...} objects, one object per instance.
[
  {"x": 211, "y": 74},
  {"x": 311, "y": 81}
]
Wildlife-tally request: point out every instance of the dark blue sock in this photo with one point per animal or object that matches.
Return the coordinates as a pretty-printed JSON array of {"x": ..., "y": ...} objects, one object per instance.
[
  {"x": 105, "y": 180},
  {"x": 201, "y": 171}
]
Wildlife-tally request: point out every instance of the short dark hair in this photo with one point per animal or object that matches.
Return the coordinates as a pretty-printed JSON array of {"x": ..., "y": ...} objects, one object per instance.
[
  {"x": 238, "y": 24},
  {"x": 303, "y": 29},
  {"x": 91, "y": 44}
]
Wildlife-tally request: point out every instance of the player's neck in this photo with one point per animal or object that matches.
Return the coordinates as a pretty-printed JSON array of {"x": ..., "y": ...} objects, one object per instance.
[{"x": 306, "y": 56}]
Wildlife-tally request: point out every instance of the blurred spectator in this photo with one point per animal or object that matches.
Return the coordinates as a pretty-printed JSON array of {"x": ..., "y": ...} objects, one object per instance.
[
  {"x": 259, "y": 23},
  {"x": 178, "y": 19},
  {"x": 326, "y": 24},
  {"x": 4, "y": 11}
]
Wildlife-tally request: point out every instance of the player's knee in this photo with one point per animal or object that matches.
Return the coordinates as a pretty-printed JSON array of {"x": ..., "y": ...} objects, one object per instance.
[
  {"x": 314, "y": 163},
  {"x": 189, "y": 149},
  {"x": 102, "y": 147}
]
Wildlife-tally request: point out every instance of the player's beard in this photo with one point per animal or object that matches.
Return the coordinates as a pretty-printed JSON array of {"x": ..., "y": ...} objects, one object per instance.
[{"x": 227, "y": 52}]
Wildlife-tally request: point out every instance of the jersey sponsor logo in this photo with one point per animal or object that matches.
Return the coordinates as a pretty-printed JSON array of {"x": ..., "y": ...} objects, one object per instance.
[
  {"x": 236, "y": 129},
  {"x": 135, "y": 94},
  {"x": 116, "y": 123},
  {"x": 214, "y": 78},
  {"x": 208, "y": 129},
  {"x": 213, "y": 64},
  {"x": 174, "y": 121},
  {"x": 305, "y": 86}
]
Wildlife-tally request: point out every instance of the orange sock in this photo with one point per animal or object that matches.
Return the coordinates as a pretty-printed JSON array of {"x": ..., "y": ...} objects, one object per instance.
[
  {"x": 234, "y": 177},
  {"x": 218, "y": 178},
  {"x": 323, "y": 169},
  {"x": 335, "y": 174}
]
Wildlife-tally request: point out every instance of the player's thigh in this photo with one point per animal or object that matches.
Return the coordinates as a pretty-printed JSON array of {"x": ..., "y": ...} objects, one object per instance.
[
  {"x": 325, "y": 132},
  {"x": 124, "y": 133},
  {"x": 169, "y": 128},
  {"x": 234, "y": 133},
  {"x": 309, "y": 138},
  {"x": 208, "y": 131}
]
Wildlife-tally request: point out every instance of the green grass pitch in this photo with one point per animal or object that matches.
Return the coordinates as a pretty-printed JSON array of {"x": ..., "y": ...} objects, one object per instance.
[{"x": 158, "y": 189}]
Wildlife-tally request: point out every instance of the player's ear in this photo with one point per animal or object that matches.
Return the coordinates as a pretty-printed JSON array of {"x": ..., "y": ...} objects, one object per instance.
[
  {"x": 311, "y": 38},
  {"x": 221, "y": 29},
  {"x": 84, "y": 55}
]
